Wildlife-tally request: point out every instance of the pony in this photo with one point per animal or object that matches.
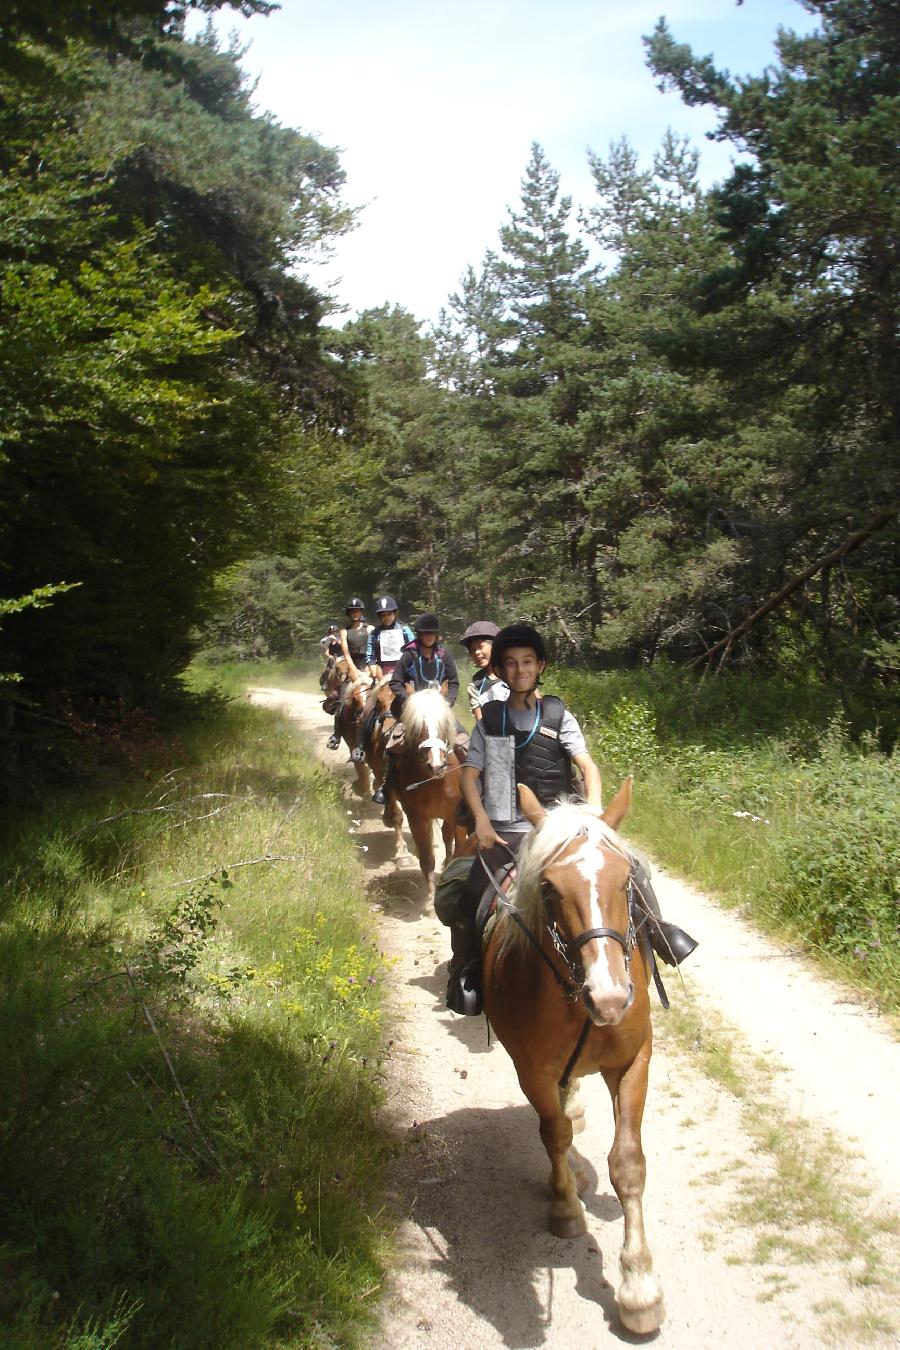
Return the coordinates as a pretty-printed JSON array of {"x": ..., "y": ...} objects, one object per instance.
[
  {"x": 565, "y": 978},
  {"x": 379, "y": 701},
  {"x": 426, "y": 781},
  {"x": 350, "y": 711}
]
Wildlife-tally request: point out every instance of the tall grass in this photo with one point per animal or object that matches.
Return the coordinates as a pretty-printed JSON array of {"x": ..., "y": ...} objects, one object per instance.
[
  {"x": 762, "y": 792},
  {"x": 189, "y": 1029}
]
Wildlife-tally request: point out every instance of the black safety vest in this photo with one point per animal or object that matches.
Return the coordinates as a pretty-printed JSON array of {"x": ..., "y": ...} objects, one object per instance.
[
  {"x": 542, "y": 764},
  {"x": 357, "y": 644}
]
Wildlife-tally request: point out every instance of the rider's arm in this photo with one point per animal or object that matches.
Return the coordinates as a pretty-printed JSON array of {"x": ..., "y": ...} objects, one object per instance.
[
  {"x": 400, "y": 675},
  {"x": 351, "y": 664},
  {"x": 593, "y": 787},
  {"x": 452, "y": 680}
]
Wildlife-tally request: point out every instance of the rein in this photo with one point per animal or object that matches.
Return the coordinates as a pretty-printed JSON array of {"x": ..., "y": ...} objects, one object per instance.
[{"x": 423, "y": 782}]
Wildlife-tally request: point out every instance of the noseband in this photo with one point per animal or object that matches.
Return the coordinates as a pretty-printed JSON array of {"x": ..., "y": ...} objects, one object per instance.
[{"x": 569, "y": 950}]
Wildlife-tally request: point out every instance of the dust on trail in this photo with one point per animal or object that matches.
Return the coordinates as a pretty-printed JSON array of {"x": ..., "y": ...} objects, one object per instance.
[{"x": 475, "y": 1264}]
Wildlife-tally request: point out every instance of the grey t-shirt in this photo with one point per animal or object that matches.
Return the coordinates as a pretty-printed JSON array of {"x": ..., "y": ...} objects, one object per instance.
[{"x": 571, "y": 738}]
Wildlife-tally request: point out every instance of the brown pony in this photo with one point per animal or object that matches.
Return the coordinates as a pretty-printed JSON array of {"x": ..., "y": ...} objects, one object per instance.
[
  {"x": 379, "y": 700},
  {"x": 427, "y": 778},
  {"x": 350, "y": 712},
  {"x": 565, "y": 989}
]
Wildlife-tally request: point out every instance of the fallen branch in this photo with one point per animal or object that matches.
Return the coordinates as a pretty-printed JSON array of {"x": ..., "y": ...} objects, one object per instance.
[
  {"x": 232, "y": 867},
  {"x": 774, "y": 600},
  {"x": 148, "y": 1017},
  {"x": 157, "y": 810}
]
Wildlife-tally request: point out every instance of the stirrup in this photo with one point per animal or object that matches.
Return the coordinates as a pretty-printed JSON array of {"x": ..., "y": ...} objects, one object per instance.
[
  {"x": 464, "y": 990},
  {"x": 671, "y": 943},
  {"x": 333, "y": 742},
  {"x": 356, "y": 755}
]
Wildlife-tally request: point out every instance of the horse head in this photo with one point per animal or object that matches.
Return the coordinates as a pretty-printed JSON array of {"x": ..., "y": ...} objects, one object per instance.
[
  {"x": 574, "y": 881},
  {"x": 429, "y": 728}
]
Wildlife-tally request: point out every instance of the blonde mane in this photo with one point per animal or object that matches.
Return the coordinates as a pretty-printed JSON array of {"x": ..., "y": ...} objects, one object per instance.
[
  {"x": 427, "y": 713},
  {"x": 562, "y": 824}
]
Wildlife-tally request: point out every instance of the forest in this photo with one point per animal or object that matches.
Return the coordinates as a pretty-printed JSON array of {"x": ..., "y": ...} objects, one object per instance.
[
  {"x": 688, "y": 452},
  {"x": 680, "y": 462}
]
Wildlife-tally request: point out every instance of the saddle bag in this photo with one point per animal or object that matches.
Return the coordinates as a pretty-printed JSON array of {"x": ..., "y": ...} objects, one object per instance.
[{"x": 450, "y": 887}]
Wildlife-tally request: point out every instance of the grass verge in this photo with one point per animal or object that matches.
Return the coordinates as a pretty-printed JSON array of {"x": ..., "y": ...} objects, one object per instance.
[
  {"x": 760, "y": 793},
  {"x": 190, "y": 1029}
]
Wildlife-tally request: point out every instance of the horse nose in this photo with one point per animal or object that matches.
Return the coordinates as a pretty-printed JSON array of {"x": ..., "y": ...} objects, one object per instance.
[{"x": 608, "y": 1006}]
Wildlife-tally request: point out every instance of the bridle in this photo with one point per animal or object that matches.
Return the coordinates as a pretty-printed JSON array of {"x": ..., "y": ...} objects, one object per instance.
[
  {"x": 572, "y": 984},
  {"x": 569, "y": 950}
]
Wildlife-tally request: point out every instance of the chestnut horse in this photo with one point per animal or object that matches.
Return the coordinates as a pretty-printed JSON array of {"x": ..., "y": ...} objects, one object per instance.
[
  {"x": 379, "y": 700},
  {"x": 351, "y": 711},
  {"x": 427, "y": 778},
  {"x": 565, "y": 990}
]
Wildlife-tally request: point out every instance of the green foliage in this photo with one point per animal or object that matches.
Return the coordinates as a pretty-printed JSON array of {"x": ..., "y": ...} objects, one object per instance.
[
  {"x": 190, "y": 1048},
  {"x": 266, "y": 608},
  {"x": 757, "y": 792},
  {"x": 162, "y": 363},
  {"x": 839, "y": 873}
]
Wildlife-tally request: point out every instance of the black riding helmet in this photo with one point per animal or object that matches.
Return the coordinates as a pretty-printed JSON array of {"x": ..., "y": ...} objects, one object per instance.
[
  {"x": 517, "y": 635},
  {"x": 353, "y": 603},
  {"x": 428, "y": 623},
  {"x": 481, "y": 628},
  {"x": 385, "y": 604}
]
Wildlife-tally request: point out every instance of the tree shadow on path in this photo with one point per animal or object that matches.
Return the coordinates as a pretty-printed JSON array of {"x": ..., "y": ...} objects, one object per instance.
[{"x": 474, "y": 1181}]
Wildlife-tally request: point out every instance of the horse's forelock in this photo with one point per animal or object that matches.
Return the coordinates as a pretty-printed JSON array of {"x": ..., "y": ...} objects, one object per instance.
[
  {"x": 544, "y": 846},
  {"x": 425, "y": 710}
]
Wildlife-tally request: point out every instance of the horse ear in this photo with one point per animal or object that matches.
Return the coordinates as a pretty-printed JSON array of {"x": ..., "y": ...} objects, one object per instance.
[
  {"x": 620, "y": 805},
  {"x": 531, "y": 807}
]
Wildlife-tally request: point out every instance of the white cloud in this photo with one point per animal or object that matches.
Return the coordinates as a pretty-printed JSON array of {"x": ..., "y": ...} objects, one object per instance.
[{"x": 435, "y": 106}]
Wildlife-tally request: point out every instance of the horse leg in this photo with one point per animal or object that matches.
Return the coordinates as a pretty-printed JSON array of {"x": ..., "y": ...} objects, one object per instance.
[
  {"x": 393, "y": 818},
  {"x": 423, "y": 836},
  {"x": 639, "y": 1295},
  {"x": 448, "y": 834},
  {"x": 566, "y": 1213},
  {"x": 572, "y": 1104},
  {"x": 569, "y": 1100}
]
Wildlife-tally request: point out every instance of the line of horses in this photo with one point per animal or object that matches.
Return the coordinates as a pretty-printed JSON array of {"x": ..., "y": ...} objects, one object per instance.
[{"x": 565, "y": 969}]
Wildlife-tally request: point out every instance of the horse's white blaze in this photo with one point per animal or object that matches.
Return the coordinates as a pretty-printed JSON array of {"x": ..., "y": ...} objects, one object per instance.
[
  {"x": 434, "y": 743},
  {"x": 599, "y": 980}
]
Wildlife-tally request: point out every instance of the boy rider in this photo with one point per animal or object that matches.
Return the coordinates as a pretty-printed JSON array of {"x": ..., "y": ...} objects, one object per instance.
[
  {"x": 424, "y": 664},
  {"x": 484, "y": 687},
  {"x": 528, "y": 739},
  {"x": 383, "y": 651},
  {"x": 354, "y": 641}
]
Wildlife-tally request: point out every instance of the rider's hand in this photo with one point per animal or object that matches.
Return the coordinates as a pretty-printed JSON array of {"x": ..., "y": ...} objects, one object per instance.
[{"x": 486, "y": 834}]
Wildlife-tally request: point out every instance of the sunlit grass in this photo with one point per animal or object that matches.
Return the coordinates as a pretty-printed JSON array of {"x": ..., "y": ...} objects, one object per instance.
[{"x": 190, "y": 1032}]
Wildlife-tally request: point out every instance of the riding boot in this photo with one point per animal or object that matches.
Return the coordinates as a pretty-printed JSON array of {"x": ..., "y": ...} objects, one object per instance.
[
  {"x": 464, "y": 972},
  {"x": 334, "y": 739},
  {"x": 358, "y": 753},
  {"x": 380, "y": 795},
  {"x": 671, "y": 943}
]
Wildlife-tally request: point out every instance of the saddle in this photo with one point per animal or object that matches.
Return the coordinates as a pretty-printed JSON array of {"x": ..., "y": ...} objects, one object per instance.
[{"x": 450, "y": 887}]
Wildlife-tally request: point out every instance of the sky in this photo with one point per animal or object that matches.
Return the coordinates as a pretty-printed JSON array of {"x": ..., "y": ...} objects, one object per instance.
[{"x": 434, "y": 105}]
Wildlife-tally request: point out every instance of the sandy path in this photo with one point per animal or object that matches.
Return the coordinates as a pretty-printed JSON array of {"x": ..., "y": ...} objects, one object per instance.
[{"x": 476, "y": 1266}]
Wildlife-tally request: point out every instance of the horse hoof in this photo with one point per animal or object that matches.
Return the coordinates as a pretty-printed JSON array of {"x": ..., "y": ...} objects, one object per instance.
[
  {"x": 643, "y": 1321},
  {"x": 567, "y": 1225}
]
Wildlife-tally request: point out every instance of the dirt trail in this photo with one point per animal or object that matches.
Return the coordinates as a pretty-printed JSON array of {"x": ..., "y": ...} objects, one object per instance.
[{"x": 476, "y": 1266}]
